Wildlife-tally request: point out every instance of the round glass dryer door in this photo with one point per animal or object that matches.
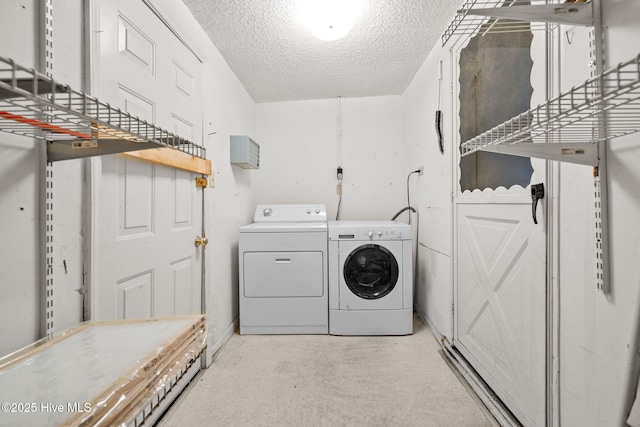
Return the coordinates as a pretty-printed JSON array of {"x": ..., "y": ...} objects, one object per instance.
[{"x": 371, "y": 271}]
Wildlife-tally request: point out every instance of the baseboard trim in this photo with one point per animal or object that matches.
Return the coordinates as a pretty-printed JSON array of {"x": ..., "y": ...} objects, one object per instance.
[
  {"x": 166, "y": 401},
  {"x": 487, "y": 397},
  {"x": 213, "y": 350},
  {"x": 458, "y": 369},
  {"x": 206, "y": 361},
  {"x": 423, "y": 317}
]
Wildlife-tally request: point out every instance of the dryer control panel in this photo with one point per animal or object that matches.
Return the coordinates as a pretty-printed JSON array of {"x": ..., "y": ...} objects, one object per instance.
[{"x": 290, "y": 213}]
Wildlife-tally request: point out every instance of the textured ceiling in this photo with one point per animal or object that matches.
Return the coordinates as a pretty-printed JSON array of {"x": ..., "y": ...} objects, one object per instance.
[{"x": 277, "y": 58}]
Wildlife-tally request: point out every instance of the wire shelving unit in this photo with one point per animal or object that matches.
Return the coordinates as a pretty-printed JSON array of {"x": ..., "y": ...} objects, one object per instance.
[
  {"x": 569, "y": 126},
  {"x": 74, "y": 124},
  {"x": 507, "y": 16}
]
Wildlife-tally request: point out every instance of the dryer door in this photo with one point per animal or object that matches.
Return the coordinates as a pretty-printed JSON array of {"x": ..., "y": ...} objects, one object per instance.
[
  {"x": 371, "y": 272},
  {"x": 283, "y": 274}
]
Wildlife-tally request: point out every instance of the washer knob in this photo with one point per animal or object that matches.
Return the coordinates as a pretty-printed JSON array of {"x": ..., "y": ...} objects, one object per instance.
[
  {"x": 379, "y": 233},
  {"x": 318, "y": 211},
  {"x": 267, "y": 211},
  {"x": 370, "y": 234},
  {"x": 308, "y": 211}
]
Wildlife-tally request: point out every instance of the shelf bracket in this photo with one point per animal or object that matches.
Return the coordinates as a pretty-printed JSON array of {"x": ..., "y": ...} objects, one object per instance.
[
  {"x": 570, "y": 152},
  {"x": 564, "y": 13},
  {"x": 75, "y": 149}
]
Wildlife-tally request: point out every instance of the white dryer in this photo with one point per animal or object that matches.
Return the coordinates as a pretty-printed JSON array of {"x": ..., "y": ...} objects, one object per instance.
[
  {"x": 283, "y": 284},
  {"x": 370, "y": 278}
]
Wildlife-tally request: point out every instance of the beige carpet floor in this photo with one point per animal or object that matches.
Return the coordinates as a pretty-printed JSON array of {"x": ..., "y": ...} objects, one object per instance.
[{"x": 322, "y": 380}]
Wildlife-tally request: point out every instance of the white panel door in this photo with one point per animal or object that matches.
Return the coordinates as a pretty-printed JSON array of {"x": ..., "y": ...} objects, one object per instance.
[
  {"x": 147, "y": 215},
  {"x": 500, "y": 302},
  {"x": 500, "y": 270}
]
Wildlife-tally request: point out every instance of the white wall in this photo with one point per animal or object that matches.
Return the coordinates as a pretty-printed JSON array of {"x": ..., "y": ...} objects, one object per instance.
[
  {"x": 595, "y": 329},
  {"x": 69, "y": 208},
  {"x": 299, "y": 155},
  {"x": 21, "y": 161},
  {"x": 433, "y": 191},
  {"x": 228, "y": 109},
  {"x": 19, "y": 201}
]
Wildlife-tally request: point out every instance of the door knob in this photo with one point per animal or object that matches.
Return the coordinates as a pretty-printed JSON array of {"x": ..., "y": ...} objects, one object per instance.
[{"x": 201, "y": 241}]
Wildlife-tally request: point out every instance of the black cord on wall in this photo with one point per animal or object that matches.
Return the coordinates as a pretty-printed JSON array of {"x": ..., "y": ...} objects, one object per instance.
[{"x": 408, "y": 197}]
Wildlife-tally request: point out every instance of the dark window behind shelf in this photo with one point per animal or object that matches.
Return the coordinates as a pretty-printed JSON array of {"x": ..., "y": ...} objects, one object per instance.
[{"x": 495, "y": 72}]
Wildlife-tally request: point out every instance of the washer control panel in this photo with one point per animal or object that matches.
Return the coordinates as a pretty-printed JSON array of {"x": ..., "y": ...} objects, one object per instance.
[
  {"x": 369, "y": 231},
  {"x": 381, "y": 234},
  {"x": 290, "y": 213}
]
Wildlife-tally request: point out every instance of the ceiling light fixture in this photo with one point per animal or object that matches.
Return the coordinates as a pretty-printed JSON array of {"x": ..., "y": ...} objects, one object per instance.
[{"x": 329, "y": 19}]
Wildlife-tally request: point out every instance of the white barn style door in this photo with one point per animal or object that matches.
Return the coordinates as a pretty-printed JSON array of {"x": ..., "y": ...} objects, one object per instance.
[
  {"x": 500, "y": 288},
  {"x": 145, "y": 216},
  {"x": 499, "y": 320}
]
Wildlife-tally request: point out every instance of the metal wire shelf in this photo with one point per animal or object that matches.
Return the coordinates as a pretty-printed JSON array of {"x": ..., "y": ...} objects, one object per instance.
[
  {"x": 569, "y": 126},
  {"x": 508, "y": 16},
  {"x": 73, "y": 123}
]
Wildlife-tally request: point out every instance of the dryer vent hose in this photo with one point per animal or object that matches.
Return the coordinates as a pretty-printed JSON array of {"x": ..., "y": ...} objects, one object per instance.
[{"x": 402, "y": 210}]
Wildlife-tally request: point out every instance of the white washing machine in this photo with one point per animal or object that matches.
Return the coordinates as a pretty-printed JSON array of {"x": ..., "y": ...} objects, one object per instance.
[
  {"x": 283, "y": 283},
  {"x": 370, "y": 278}
]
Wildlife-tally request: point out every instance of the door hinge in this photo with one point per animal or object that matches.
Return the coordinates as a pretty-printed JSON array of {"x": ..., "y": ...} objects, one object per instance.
[{"x": 202, "y": 182}]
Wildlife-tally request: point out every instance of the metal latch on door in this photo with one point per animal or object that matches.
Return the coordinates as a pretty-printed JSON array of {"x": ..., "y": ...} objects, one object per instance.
[
  {"x": 202, "y": 241},
  {"x": 537, "y": 193}
]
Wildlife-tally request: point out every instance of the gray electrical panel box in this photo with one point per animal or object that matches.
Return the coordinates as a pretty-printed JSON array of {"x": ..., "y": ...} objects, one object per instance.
[{"x": 245, "y": 152}]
